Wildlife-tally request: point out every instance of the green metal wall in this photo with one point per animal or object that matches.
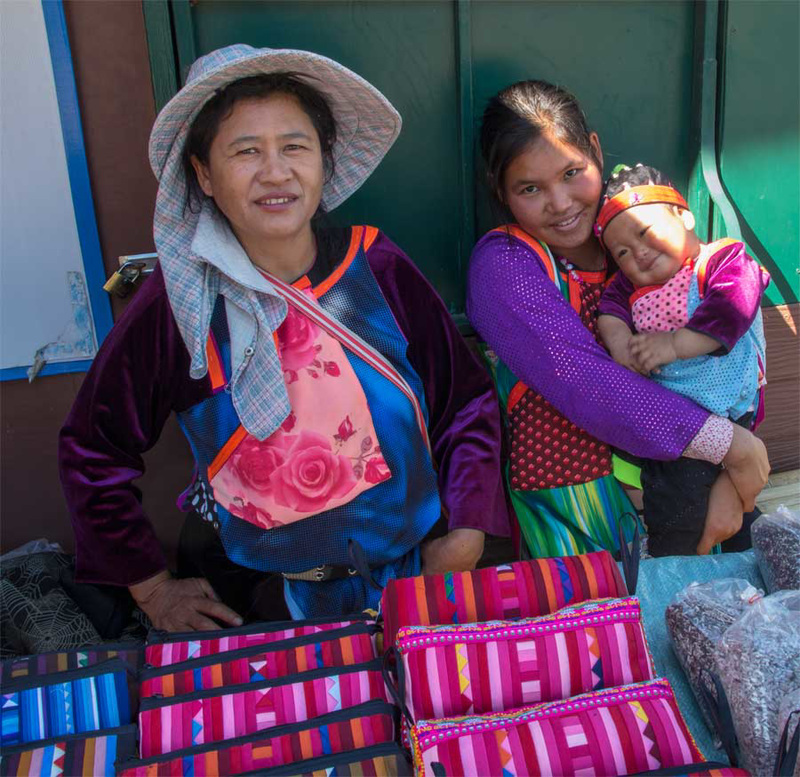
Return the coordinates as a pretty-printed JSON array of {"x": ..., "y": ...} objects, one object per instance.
[{"x": 638, "y": 68}]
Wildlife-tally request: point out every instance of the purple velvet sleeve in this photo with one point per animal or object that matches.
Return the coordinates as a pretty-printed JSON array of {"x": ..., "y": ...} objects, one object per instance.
[
  {"x": 735, "y": 283},
  {"x": 464, "y": 417},
  {"x": 126, "y": 397},
  {"x": 525, "y": 320},
  {"x": 615, "y": 299}
]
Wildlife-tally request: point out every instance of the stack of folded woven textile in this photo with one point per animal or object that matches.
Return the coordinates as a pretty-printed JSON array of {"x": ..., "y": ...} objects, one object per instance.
[
  {"x": 280, "y": 698},
  {"x": 538, "y": 667},
  {"x": 70, "y": 713}
]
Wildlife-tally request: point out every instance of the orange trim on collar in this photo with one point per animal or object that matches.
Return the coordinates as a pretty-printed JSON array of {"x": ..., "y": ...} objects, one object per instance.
[
  {"x": 355, "y": 241},
  {"x": 225, "y": 452},
  {"x": 519, "y": 233},
  {"x": 636, "y": 195},
  {"x": 514, "y": 396},
  {"x": 215, "y": 371},
  {"x": 641, "y": 291}
]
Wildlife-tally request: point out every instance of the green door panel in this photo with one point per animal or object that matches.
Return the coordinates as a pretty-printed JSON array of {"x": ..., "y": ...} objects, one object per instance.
[
  {"x": 635, "y": 65},
  {"x": 628, "y": 63},
  {"x": 406, "y": 51},
  {"x": 760, "y": 139}
]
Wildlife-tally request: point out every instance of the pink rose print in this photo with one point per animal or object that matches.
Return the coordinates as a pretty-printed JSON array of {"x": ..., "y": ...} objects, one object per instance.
[
  {"x": 297, "y": 336},
  {"x": 289, "y": 423},
  {"x": 332, "y": 369},
  {"x": 251, "y": 513},
  {"x": 254, "y": 462},
  {"x": 377, "y": 470},
  {"x": 345, "y": 431},
  {"x": 312, "y": 475}
]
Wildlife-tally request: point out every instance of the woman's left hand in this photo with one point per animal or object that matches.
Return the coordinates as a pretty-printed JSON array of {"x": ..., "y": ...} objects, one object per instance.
[{"x": 458, "y": 551}]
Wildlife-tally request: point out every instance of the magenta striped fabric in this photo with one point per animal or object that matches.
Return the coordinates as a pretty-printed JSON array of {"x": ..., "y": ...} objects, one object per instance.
[
  {"x": 167, "y": 653},
  {"x": 501, "y": 665},
  {"x": 318, "y": 738},
  {"x": 266, "y": 664},
  {"x": 524, "y": 589},
  {"x": 179, "y": 723},
  {"x": 620, "y": 731}
]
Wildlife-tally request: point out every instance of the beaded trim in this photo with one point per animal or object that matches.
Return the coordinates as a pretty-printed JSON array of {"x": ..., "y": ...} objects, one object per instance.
[
  {"x": 428, "y": 732},
  {"x": 598, "y": 611}
]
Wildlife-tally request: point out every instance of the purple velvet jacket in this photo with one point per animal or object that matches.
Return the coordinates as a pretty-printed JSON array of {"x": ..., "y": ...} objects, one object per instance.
[
  {"x": 522, "y": 316},
  {"x": 141, "y": 375}
]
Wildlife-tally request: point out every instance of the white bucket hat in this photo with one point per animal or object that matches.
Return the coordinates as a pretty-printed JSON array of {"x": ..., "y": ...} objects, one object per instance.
[{"x": 367, "y": 125}]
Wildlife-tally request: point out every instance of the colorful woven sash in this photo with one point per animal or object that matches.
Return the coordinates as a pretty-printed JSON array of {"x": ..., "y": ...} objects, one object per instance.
[{"x": 354, "y": 343}]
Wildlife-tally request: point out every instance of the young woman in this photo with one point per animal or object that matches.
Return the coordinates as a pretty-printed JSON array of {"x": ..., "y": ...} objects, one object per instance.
[
  {"x": 333, "y": 410},
  {"x": 533, "y": 292}
]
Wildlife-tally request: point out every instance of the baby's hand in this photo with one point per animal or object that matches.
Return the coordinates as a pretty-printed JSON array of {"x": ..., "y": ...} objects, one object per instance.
[
  {"x": 621, "y": 354},
  {"x": 650, "y": 351}
]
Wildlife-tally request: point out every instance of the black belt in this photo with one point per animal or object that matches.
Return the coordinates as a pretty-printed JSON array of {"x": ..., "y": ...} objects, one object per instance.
[
  {"x": 325, "y": 572},
  {"x": 321, "y": 574}
]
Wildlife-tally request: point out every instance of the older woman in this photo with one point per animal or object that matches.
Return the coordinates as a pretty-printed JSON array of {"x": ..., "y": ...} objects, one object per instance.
[
  {"x": 533, "y": 293},
  {"x": 332, "y": 408}
]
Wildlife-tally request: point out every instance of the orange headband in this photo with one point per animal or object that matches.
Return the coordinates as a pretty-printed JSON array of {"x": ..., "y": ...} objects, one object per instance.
[{"x": 636, "y": 195}]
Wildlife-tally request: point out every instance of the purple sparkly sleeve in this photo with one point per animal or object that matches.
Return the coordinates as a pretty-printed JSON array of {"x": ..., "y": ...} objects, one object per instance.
[
  {"x": 735, "y": 283},
  {"x": 614, "y": 301},
  {"x": 525, "y": 320}
]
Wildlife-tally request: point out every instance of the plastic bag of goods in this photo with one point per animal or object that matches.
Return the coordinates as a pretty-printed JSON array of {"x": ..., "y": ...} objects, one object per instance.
[
  {"x": 776, "y": 542},
  {"x": 788, "y": 723},
  {"x": 758, "y": 661},
  {"x": 697, "y": 618}
]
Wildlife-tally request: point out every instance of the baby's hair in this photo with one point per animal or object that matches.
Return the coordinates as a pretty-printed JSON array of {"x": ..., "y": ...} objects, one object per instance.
[{"x": 624, "y": 177}]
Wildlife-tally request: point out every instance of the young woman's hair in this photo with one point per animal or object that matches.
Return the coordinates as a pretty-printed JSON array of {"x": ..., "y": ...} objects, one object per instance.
[
  {"x": 624, "y": 177},
  {"x": 206, "y": 124},
  {"x": 519, "y": 115}
]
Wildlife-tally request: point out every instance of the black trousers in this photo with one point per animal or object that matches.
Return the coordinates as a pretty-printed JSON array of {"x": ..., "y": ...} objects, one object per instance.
[
  {"x": 675, "y": 500},
  {"x": 255, "y": 595}
]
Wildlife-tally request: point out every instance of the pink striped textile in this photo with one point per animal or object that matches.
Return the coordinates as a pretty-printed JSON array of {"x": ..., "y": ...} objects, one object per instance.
[
  {"x": 362, "y": 726},
  {"x": 525, "y": 589},
  {"x": 619, "y": 731},
  {"x": 259, "y": 663},
  {"x": 172, "y": 652},
  {"x": 166, "y": 725},
  {"x": 500, "y": 665}
]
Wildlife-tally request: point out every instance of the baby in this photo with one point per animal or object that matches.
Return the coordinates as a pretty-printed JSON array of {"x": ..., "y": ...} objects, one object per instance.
[{"x": 688, "y": 315}]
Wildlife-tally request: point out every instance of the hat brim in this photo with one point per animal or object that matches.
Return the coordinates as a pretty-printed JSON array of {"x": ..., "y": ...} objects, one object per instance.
[{"x": 367, "y": 123}]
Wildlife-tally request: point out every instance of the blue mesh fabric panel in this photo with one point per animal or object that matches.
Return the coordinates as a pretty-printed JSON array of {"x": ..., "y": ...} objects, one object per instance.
[{"x": 388, "y": 520}]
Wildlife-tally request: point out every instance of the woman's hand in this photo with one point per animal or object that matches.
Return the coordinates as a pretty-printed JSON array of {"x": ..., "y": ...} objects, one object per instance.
[
  {"x": 747, "y": 465},
  {"x": 458, "y": 551},
  {"x": 182, "y": 605}
]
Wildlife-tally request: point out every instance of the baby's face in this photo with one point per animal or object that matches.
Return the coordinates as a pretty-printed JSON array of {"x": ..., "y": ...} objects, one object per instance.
[{"x": 651, "y": 242}]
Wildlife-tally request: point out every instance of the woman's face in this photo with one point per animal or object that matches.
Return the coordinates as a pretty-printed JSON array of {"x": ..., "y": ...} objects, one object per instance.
[
  {"x": 264, "y": 170},
  {"x": 553, "y": 190}
]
